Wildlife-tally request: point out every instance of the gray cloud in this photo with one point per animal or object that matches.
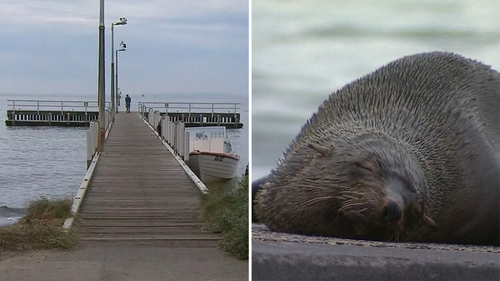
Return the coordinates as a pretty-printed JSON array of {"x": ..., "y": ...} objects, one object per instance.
[{"x": 51, "y": 45}]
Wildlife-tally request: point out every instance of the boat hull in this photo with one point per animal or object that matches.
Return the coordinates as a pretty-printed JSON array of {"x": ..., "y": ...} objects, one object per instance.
[{"x": 213, "y": 167}]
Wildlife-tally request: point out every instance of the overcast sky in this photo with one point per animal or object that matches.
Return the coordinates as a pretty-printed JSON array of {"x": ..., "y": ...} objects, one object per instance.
[{"x": 173, "y": 46}]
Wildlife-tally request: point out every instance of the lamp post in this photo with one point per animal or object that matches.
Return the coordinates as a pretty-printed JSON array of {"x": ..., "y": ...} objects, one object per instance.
[
  {"x": 114, "y": 104},
  {"x": 123, "y": 47},
  {"x": 100, "y": 79}
]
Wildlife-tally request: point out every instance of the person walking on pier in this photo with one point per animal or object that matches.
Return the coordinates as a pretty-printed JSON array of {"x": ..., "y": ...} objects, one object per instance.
[{"x": 127, "y": 103}]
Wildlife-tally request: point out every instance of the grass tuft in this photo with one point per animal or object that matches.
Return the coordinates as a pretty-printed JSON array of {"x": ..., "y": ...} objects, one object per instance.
[
  {"x": 44, "y": 209},
  {"x": 227, "y": 213},
  {"x": 40, "y": 228},
  {"x": 23, "y": 237}
]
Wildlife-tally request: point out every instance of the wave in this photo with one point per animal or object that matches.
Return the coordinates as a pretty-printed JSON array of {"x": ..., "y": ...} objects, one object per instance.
[{"x": 11, "y": 212}]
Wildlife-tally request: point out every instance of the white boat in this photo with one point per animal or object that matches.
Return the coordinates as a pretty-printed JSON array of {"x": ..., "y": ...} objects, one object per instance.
[{"x": 211, "y": 156}]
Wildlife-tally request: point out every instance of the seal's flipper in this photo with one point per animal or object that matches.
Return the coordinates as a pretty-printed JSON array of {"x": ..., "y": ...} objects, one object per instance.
[{"x": 255, "y": 188}]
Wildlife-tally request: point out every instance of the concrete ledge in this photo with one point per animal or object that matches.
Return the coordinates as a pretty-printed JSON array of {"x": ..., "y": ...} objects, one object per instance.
[
  {"x": 282, "y": 256},
  {"x": 201, "y": 186},
  {"x": 80, "y": 194}
]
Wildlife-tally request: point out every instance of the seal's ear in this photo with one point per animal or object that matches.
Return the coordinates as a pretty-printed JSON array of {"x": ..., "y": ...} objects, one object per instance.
[{"x": 323, "y": 150}]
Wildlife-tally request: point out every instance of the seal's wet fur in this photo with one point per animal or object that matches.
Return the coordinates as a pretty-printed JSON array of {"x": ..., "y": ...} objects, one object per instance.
[{"x": 409, "y": 152}]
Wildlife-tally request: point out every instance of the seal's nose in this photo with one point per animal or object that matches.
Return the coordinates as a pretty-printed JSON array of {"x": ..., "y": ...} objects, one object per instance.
[{"x": 392, "y": 212}]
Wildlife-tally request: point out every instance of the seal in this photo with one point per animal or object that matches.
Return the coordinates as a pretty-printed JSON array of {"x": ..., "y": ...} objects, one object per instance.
[{"x": 410, "y": 152}]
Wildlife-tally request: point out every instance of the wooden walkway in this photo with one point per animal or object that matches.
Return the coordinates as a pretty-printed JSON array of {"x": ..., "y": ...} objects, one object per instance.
[{"x": 140, "y": 195}]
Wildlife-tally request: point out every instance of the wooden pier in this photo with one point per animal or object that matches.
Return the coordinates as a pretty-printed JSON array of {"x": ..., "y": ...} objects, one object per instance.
[{"x": 140, "y": 195}]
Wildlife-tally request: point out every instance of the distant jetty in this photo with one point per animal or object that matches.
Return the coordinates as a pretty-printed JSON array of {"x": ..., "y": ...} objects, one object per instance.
[{"x": 81, "y": 113}]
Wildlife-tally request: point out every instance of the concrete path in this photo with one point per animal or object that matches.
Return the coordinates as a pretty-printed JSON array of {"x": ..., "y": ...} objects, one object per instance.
[{"x": 122, "y": 264}]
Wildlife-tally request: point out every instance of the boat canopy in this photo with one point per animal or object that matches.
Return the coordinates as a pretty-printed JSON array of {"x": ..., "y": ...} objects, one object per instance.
[{"x": 204, "y": 133}]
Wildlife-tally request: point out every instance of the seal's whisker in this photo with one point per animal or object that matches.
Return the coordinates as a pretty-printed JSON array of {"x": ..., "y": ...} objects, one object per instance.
[
  {"x": 353, "y": 205},
  {"x": 347, "y": 196},
  {"x": 354, "y": 192},
  {"x": 314, "y": 200},
  {"x": 362, "y": 210},
  {"x": 342, "y": 209},
  {"x": 388, "y": 236}
]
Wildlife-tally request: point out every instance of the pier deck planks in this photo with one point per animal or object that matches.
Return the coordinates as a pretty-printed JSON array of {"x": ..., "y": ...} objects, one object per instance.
[{"x": 140, "y": 195}]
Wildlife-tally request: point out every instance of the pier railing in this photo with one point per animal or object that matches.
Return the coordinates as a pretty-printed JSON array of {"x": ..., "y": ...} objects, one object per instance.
[
  {"x": 93, "y": 134},
  {"x": 53, "y": 105},
  {"x": 191, "y": 107},
  {"x": 74, "y": 113},
  {"x": 195, "y": 114},
  {"x": 173, "y": 132}
]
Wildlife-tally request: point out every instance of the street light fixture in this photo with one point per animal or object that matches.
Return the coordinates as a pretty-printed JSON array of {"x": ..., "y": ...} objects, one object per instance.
[
  {"x": 123, "y": 47},
  {"x": 114, "y": 101}
]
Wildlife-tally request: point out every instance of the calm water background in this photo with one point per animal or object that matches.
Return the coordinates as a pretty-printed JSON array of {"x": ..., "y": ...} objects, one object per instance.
[
  {"x": 51, "y": 161},
  {"x": 304, "y": 50}
]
